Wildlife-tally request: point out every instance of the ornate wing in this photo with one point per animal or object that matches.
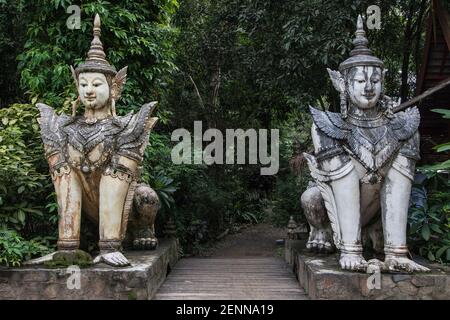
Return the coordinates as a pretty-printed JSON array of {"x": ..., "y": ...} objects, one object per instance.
[
  {"x": 134, "y": 137},
  {"x": 330, "y": 123},
  {"x": 51, "y": 125},
  {"x": 406, "y": 123}
]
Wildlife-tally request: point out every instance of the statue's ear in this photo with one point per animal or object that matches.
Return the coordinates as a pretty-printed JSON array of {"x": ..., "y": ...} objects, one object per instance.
[
  {"x": 118, "y": 83},
  {"x": 337, "y": 79},
  {"x": 383, "y": 75},
  {"x": 152, "y": 122},
  {"x": 74, "y": 75}
]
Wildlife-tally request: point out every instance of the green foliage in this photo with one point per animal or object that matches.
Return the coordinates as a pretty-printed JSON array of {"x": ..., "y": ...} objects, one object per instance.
[
  {"x": 156, "y": 174},
  {"x": 24, "y": 179},
  {"x": 230, "y": 63},
  {"x": 135, "y": 34},
  {"x": 430, "y": 211},
  {"x": 14, "y": 249},
  {"x": 294, "y": 176},
  {"x": 429, "y": 218},
  {"x": 445, "y": 146}
]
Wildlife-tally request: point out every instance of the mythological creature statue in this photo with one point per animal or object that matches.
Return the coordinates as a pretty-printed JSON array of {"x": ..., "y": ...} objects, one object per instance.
[
  {"x": 95, "y": 161},
  {"x": 363, "y": 166}
]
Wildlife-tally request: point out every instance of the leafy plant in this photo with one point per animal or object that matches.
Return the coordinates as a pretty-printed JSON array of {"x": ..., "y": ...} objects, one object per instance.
[
  {"x": 429, "y": 220},
  {"x": 165, "y": 187},
  {"x": 24, "y": 178},
  {"x": 445, "y": 146},
  {"x": 14, "y": 249}
]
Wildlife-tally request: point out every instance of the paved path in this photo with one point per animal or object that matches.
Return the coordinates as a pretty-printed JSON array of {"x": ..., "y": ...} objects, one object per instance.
[{"x": 238, "y": 278}]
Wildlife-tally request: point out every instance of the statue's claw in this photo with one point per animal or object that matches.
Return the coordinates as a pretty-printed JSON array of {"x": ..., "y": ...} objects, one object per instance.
[
  {"x": 403, "y": 264},
  {"x": 145, "y": 243},
  {"x": 320, "y": 241},
  {"x": 353, "y": 262},
  {"x": 115, "y": 259}
]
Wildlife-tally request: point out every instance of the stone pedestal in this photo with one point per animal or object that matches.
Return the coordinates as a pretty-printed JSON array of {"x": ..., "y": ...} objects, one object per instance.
[
  {"x": 322, "y": 278},
  {"x": 141, "y": 280}
]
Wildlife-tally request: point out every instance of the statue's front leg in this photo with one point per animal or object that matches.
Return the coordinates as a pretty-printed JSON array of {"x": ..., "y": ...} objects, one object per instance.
[
  {"x": 347, "y": 195},
  {"x": 114, "y": 188},
  {"x": 395, "y": 196},
  {"x": 338, "y": 182},
  {"x": 69, "y": 195}
]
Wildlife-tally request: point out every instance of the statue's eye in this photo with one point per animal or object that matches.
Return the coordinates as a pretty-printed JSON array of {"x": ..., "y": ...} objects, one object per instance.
[
  {"x": 83, "y": 85},
  {"x": 97, "y": 84},
  {"x": 361, "y": 80}
]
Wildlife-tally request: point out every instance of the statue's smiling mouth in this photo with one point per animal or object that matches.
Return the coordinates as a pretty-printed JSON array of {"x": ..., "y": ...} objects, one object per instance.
[{"x": 90, "y": 99}]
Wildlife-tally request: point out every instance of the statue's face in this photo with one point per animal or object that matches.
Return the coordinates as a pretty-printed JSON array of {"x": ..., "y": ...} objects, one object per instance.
[
  {"x": 93, "y": 89},
  {"x": 364, "y": 86}
]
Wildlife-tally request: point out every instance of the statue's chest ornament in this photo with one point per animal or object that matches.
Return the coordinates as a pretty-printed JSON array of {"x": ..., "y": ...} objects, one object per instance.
[
  {"x": 373, "y": 148},
  {"x": 372, "y": 136},
  {"x": 373, "y": 143},
  {"x": 89, "y": 145}
]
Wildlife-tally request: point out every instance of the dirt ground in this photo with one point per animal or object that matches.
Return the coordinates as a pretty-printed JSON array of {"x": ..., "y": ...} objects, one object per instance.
[{"x": 254, "y": 241}]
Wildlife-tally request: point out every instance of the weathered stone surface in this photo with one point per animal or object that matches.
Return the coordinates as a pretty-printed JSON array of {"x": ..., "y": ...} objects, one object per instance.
[
  {"x": 322, "y": 278},
  {"x": 95, "y": 163},
  {"x": 363, "y": 168},
  {"x": 141, "y": 280}
]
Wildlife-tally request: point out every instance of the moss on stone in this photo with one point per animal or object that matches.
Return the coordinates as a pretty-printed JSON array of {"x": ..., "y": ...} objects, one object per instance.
[
  {"x": 132, "y": 295},
  {"x": 64, "y": 259}
]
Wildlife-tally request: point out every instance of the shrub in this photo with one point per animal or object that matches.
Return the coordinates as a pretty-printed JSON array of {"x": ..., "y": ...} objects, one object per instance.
[
  {"x": 14, "y": 249},
  {"x": 25, "y": 185},
  {"x": 429, "y": 218}
]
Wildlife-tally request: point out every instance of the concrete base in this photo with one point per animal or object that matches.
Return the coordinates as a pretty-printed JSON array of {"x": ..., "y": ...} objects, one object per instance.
[
  {"x": 321, "y": 277},
  {"x": 141, "y": 280}
]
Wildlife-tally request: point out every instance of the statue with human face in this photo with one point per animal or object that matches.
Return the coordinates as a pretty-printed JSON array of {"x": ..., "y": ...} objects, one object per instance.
[
  {"x": 364, "y": 86},
  {"x": 95, "y": 162},
  {"x": 363, "y": 168}
]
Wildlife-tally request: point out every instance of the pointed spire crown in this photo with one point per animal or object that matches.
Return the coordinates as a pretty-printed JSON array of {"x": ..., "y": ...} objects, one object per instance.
[
  {"x": 96, "y": 57},
  {"x": 361, "y": 55}
]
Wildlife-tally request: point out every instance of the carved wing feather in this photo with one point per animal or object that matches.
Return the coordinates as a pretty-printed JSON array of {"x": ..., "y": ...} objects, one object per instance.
[
  {"x": 330, "y": 123},
  {"x": 136, "y": 131},
  {"x": 51, "y": 124},
  {"x": 406, "y": 123}
]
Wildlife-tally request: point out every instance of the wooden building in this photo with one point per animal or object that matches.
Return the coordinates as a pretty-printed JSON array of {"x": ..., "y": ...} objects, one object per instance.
[{"x": 435, "y": 69}]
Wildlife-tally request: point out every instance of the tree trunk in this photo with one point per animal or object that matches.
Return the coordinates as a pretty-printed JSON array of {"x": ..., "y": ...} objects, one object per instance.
[{"x": 404, "y": 88}]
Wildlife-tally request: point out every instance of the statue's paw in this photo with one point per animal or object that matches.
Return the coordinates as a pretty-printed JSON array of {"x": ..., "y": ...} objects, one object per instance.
[
  {"x": 319, "y": 246},
  {"x": 115, "y": 259},
  {"x": 320, "y": 240},
  {"x": 353, "y": 262},
  {"x": 145, "y": 243},
  {"x": 403, "y": 264}
]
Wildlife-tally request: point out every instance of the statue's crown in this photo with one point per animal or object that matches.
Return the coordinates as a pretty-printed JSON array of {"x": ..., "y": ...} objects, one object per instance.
[
  {"x": 96, "y": 57},
  {"x": 361, "y": 55}
]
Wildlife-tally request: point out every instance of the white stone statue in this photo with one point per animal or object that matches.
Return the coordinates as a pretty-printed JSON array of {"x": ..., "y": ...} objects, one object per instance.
[
  {"x": 95, "y": 161},
  {"x": 363, "y": 166}
]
